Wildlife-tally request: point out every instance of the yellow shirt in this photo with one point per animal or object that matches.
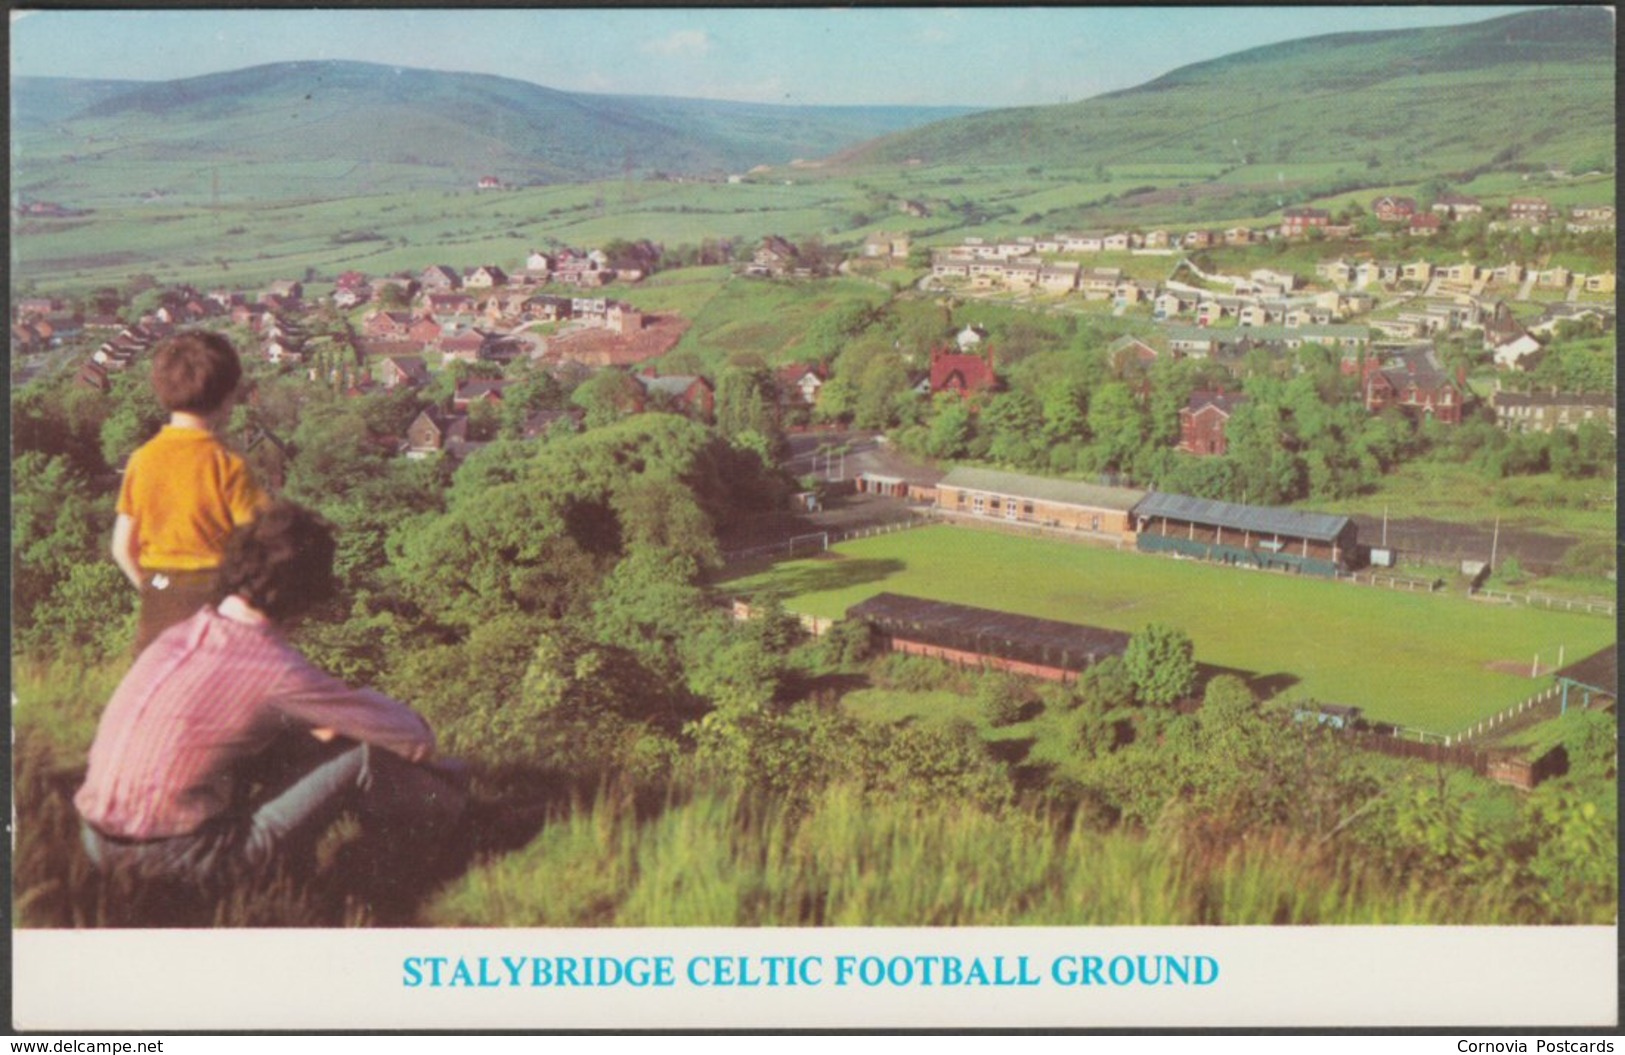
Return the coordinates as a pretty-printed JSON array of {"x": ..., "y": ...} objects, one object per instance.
[{"x": 185, "y": 491}]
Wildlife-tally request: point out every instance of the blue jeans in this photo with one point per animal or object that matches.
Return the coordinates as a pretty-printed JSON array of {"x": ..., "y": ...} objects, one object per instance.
[{"x": 406, "y": 811}]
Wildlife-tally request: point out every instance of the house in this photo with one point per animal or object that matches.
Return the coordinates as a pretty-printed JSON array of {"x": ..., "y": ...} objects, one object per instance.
[
  {"x": 1130, "y": 349},
  {"x": 1099, "y": 283},
  {"x": 477, "y": 390},
  {"x": 434, "y": 431},
  {"x": 1297, "y": 223},
  {"x": 1157, "y": 239},
  {"x": 1392, "y": 209},
  {"x": 970, "y": 338},
  {"x": 1059, "y": 277},
  {"x": 1238, "y": 236},
  {"x": 887, "y": 245},
  {"x": 94, "y": 375},
  {"x": 1037, "y": 500},
  {"x": 1585, "y": 218},
  {"x": 424, "y": 329},
  {"x": 1551, "y": 411},
  {"x": 1457, "y": 206},
  {"x": 388, "y": 324},
  {"x": 1199, "y": 239},
  {"x": 1511, "y": 353},
  {"x": 1528, "y": 210},
  {"x": 1117, "y": 241},
  {"x": 1371, "y": 272},
  {"x": 620, "y": 317},
  {"x": 1418, "y": 271},
  {"x": 462, "y": 345},
  {"x": 447, "y": 304},
  {"x": 439, "y": 278},
  {"x": 398, "y": 370},
  {"x": 1600, "y": 283},
  {"x": 538, "y": 262},
  {"x": 1338, "y": 271},
  {"x": 488, "y": 183},
  {"x": 285, "y": 289},
  {"x": 1202, "y": 421},
  {"x": 686, "y": 394},
  {"x": 541, "y": 422},
  {"x": 961, "y": 372},
  {"x": 1285, "y": 281},
  {"x": 1424, "y": 224},
  {"x": 984, "y": 639},
  {"x": 1414, "y": 381},
  {"x": 774, "y": 258},
  {"x": 1170, "y": 303},
  {"x": 800, "y": 384},
  {"x": 486, "y": 277},
  {"x": 1252, "y": 536}
]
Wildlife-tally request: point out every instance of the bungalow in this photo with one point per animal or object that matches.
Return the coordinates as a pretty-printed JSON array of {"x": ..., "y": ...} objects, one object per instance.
[
  {"x": 1339, "y": 271},
  {"x": 1286, "y": 281},
  {"x": 1118, "y": 241},
  {"x": 1099, "y": 283},
  {"x": 1202, "y": 421},
  {"x": 1419, "y": 271},
  {"x": 1199, "y": 239},
  {"x": 1600, "y": 283},
  {"x": 1372, "y": 272},
  {"x": 950, "y": 265},
  {"x": 1092, "y": 242},
  {"x": 1158, "y": 239},
  {"x": 1457, "y": 206},
  {"x": 1059, "y": 277},
  {"x": 1238, "y": 236},
  {"x": 1021, "y": 274},
  {"x": 1170, "y": 303}
]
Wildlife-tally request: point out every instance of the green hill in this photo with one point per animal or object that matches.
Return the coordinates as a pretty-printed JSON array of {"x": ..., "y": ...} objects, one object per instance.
[
  {"x": 425, "y": 128},
  {"x": 1534, "y": 87}
]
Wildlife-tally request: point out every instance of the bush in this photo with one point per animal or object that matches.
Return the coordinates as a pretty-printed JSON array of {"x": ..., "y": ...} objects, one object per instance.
[
  {"x": 848, "y": 643},
  {"x": 1003, "y": 699}
]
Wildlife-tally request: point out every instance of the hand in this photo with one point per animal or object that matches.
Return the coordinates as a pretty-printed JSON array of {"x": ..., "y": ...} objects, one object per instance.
[{"x": 324, "y": 735}]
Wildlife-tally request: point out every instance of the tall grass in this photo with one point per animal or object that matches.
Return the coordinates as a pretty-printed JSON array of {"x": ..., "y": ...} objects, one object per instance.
[{"x": 728, "y": 860}]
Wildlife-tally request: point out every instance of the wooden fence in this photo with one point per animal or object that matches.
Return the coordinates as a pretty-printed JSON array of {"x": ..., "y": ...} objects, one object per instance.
[{"x": 1586, "y": 605}]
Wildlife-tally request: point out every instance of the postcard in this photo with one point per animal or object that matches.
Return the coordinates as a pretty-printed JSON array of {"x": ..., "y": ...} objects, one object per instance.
[{"x": 885, "y": 518}]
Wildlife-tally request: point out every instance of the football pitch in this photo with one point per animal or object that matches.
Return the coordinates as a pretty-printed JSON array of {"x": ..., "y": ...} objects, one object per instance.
[{"x": 1438, "y": 662}]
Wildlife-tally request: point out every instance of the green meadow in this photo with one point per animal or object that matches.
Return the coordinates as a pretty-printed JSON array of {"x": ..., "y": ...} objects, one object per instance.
[{"x": 1420, "y": 660}]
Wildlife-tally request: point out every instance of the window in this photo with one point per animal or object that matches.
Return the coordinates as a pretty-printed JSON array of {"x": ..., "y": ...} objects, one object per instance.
[{"x": 977, "y": 504}]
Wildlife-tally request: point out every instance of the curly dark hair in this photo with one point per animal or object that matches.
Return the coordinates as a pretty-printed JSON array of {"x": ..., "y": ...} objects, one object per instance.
[
  {"x": 281, "y": 562},
  {"x": 195, "y": 371}
]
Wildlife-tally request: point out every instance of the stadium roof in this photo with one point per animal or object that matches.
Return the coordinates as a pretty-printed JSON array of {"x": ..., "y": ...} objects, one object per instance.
[
  {"x": 1597, "y": 671},
  {"x": 1066, "y": 492},
  {"x": 1070, "y": 646},
  {"x": 1317, "y": 527}
]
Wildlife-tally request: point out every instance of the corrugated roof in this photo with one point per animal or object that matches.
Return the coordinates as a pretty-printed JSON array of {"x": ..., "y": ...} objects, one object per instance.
[
  {"x": 1598, "y": 671},
  {"x": 1068, "y": 492},
  {"x": 1318, "y": 527}
]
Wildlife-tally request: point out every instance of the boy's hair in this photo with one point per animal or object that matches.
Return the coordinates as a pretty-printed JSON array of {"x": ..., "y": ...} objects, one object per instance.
[
  {"x": 195, "y": 371},
  {"x": 281, "y": 562}
]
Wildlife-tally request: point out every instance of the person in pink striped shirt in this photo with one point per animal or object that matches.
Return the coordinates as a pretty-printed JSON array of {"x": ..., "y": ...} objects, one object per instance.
[{"x": 216, "y": 696}]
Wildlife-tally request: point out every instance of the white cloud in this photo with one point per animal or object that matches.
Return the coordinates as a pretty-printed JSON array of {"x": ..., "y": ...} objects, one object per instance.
[{"x": 684, "y": 42}]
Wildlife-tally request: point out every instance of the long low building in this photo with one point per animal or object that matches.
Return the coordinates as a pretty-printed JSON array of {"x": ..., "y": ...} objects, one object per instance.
[
  {"x": 1258, "y": 536},
  {"x": 1038, "y": 500},
  {"x": 958, "y": 633}
]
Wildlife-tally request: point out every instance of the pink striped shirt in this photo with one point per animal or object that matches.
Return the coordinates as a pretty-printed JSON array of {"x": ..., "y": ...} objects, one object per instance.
[{"x": 206, "y": 695}]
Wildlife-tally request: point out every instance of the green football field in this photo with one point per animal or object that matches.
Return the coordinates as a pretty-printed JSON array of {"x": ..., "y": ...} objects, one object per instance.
[{"x": 1438, "y": 662}]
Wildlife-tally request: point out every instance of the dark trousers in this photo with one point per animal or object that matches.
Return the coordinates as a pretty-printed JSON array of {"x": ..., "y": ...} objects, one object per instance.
[
  {"x": 168, "y": 597},
  {"x": 407, "y": 812}
]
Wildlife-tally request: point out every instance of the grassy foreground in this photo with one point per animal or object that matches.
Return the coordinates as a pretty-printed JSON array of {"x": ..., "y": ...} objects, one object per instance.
[{"x": 1429, "y": 661}]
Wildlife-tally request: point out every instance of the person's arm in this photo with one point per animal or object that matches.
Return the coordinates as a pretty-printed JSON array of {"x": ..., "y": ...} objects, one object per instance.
[
  {"x": 311, "y": 697},
  {"x": 127, "y": 548}
]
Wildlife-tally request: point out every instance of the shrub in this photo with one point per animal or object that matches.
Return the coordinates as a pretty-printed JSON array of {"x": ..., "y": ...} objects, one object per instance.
[{"x": 1003, "y": 698}]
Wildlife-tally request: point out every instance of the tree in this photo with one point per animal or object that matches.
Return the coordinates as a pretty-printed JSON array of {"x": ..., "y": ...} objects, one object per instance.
[
  {"x": 1118, "y": 424},
  {"x": 1161, "y": 663}
]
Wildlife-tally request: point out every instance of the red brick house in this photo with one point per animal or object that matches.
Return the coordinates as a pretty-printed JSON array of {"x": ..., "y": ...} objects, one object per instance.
[
  {"x": 1296, "y": 223},
  {"x": 1392, "y": 209},
  {"x": 1425, "y": 223},
  {"x": 961, "y": 372},
  {"x": 1417, "y": 383},
  {"x": 1203, "y": 419},
  {"x": 432, "y": 430},
  {"x": 425, "y": 329},
  {"x": 387, "y": 324}
]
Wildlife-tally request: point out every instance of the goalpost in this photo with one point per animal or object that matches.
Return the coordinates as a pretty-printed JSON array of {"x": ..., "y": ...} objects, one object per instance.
[{"x": 818, "y": 541}]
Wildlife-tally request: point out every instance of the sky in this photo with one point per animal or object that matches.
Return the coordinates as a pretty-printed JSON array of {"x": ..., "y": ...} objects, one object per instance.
[{"x": 981, "y": 57}]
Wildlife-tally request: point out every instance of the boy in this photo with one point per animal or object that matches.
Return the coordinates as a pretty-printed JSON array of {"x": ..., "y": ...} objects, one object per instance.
[{"x": 184, "y": 491}]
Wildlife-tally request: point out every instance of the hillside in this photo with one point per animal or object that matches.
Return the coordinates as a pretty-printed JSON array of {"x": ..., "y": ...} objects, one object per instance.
[
  {"x": 426, "y": 128},
  {"x": 1534, "y": 86}
]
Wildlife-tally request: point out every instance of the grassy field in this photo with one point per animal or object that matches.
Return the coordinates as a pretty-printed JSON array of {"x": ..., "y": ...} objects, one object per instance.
[{"x": 1419, "y": 660}]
